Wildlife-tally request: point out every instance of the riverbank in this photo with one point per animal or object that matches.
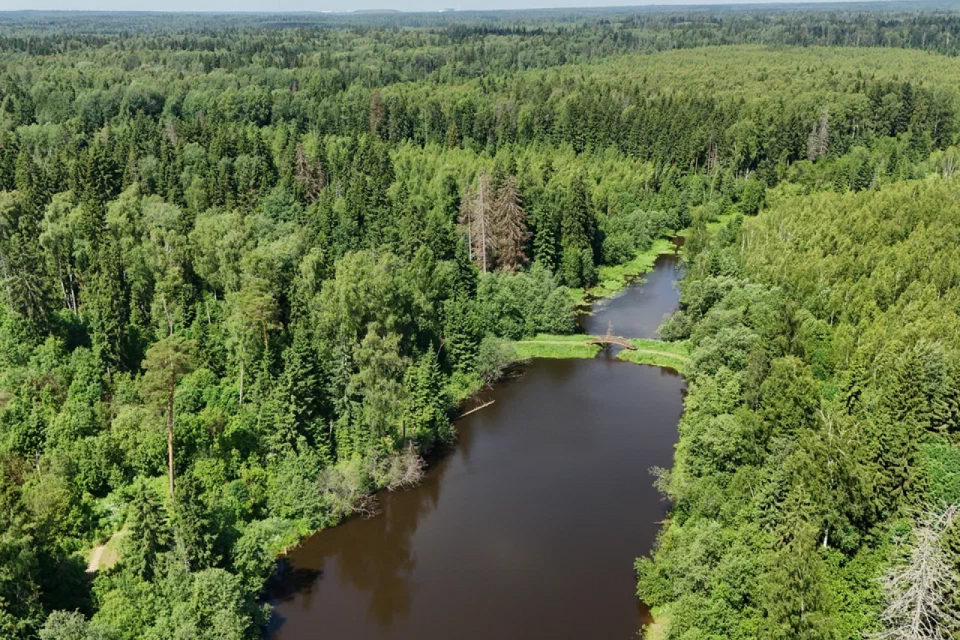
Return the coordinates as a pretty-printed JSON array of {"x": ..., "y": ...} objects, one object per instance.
[
  {"x": 556, "y": 346},
  {"x": 527, "y": 443},
  {"x": 558, "y": 461},
  {"x": 612, "y": 279},
  {"x": 674, "y": 355}
]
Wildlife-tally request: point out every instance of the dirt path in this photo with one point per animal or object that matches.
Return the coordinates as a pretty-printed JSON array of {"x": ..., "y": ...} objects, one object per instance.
[
  {"x": 95, "y": 557},
  {"x": 105, "y": 555}
]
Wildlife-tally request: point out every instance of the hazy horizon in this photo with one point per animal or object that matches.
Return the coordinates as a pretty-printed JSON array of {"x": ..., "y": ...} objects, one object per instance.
[{"x": 190, "y": 6}]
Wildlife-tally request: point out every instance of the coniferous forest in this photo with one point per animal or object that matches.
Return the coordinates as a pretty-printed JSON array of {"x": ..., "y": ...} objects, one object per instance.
[{"x": 252, "y": 266}]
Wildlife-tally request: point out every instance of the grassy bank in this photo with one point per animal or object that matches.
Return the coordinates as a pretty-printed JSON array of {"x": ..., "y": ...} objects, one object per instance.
[
  {"x": 654, "y": 352},
  {"x": 674, "y": 355},
  {"x": 615, "y": 278},
  {"x": 554, "y": 346},
  {"x": 658, "y": 629}
]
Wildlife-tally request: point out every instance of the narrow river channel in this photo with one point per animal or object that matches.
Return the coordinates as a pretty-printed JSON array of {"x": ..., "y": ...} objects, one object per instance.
[{"x": 529, "y": 527}]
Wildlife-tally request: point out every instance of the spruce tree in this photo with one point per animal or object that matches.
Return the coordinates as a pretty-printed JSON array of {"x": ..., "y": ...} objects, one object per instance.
[{"x": 148, "y": 536}]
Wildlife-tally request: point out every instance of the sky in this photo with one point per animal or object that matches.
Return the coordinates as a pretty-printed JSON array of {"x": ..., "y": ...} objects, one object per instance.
[{"x": 331, "y": 5}]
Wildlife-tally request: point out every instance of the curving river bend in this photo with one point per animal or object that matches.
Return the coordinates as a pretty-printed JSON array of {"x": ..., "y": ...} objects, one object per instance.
[{"x": 529, "y": 527}]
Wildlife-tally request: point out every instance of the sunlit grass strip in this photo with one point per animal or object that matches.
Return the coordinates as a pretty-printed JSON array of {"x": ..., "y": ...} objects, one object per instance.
[
  {"x": 674, "y": 355},
  {"x": 658, "y": 629},
  {"x": 550, "y": 346}
]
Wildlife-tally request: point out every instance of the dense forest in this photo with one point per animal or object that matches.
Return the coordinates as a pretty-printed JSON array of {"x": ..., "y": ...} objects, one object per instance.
[{"x": 251, "y": 265}]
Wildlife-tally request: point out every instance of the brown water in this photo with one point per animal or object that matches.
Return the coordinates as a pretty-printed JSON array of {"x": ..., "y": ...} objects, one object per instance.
[{"x": 528, "y": 528}]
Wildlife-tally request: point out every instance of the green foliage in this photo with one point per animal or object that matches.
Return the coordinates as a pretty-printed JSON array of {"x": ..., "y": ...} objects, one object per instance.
[
  {"x": 64, "y": 625},
  {"x": 20, "y": 608},
  {"x": 815, "y": 374},
  {"x": 233, "y": 253}
]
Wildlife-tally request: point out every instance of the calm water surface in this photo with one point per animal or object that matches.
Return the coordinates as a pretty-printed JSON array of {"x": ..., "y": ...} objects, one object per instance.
[
  {"x": 640, "y": 309},
  {"x": 528, "y": 528}
]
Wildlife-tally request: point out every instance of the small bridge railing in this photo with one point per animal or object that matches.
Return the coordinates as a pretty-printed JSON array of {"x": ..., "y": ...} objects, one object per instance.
[{"x": 615, "y": 340}]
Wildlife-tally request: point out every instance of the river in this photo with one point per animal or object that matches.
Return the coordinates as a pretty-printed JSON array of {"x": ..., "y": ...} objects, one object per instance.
[{"x": 529, "y": 527}]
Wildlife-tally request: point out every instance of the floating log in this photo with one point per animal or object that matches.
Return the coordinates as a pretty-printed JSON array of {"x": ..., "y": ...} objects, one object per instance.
[{"x": 466, "y": 413}]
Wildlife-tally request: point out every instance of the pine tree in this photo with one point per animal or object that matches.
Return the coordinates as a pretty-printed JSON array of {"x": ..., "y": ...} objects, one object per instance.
[
  {"x": 793, "y": 589},
  {"x": 461, "y": 334},
  {"x": 105, "y": 300},
  {"x": 31, "y": 193},
  {"x": 896, "y": 433},
  {"x": 27, "y": 286},
  {"x": 303, "y": 407},
  {"x": 546, "y": 239},
  {"x": 578, "y": 229},
  {"x": 100, "y": 175},
  {"x": 378, "y": 114},
  {"x": 465, "y": 276},
  {"x": 453, "y": 136},
  {"x": 9, "y": 153},
  {"x": 195, "y": 529},
  {"x": 165, "y": 362},
  {"x": 863, "y": 178}
]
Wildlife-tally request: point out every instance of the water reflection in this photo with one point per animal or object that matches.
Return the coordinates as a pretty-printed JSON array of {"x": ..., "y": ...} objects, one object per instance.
[
  {"x": 327, "y": 564},
  {"x": 639, "y": 310}
]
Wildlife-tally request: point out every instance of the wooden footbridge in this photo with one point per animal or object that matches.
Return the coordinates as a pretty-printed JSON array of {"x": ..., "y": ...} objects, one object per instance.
[{"x": 615, "y": 340}]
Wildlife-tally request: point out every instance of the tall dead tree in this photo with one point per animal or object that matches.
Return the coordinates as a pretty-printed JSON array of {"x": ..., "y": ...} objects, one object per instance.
[
  {"x": 819, "y": 139},
  {"x": 920, "y": 590},
  {"x": 477, "y": 217},
  {"x": 510, "y": 226},
  {"x": 308, "y": 174}
]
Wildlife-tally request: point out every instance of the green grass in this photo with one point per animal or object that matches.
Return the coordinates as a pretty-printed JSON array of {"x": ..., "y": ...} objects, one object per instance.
[
  {"x": 658, "y": 629},
  {"x": 674, "y": 355},
  {"x": 550, "y": 346}
]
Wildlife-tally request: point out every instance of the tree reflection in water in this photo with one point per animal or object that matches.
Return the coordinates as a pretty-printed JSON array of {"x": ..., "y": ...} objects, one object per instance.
[{"x": 384, "y": 575}]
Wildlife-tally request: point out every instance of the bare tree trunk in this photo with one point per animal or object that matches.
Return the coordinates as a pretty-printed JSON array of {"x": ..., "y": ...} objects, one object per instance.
[
  {"x": 63, "y": 287},
  {"x": 483, "y": 228},
  {"x": 170, "y": 431}
]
